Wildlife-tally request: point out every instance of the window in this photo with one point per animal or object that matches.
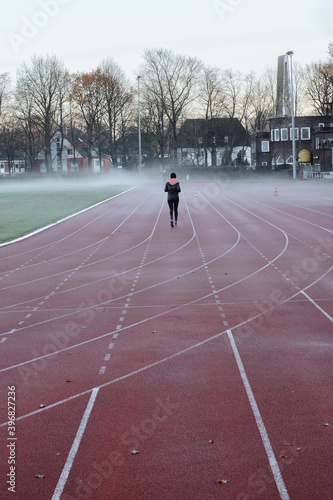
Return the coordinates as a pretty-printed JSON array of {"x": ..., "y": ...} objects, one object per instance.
[
  {"x": 272, "y": 135},
  {"x": 284, "y": 134},
  {"x": 264, "y": 146},
  {"x": 296, "y": 134},
  {"x": 289, "y": 160},
  {"x": 305, "y": 133},
  {"x": 69, "y": 151},
  {"x": 264, "y": 164},
  {"x": 276, "y": 134},
  {"x": 317, "y": 143}
]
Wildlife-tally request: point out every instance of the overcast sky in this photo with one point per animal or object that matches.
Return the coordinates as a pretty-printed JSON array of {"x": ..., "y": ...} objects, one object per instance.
[{"x": 243, "y": 35}]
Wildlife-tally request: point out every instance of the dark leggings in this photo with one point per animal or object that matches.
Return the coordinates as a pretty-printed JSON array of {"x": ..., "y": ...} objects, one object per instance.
[{"x": 173, "y": 205}]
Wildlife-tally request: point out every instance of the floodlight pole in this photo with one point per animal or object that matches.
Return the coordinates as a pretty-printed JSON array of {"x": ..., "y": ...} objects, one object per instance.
[
  {"x": 290, "y": 54},
  {"x": 139, "y": 125}
]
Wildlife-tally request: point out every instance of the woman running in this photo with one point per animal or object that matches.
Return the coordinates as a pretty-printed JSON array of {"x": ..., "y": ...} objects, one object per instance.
[{"x": 172, "y": 187}]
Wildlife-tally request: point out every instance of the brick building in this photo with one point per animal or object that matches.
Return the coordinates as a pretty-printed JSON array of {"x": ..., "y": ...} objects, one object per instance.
[{"x": 313, "y": 141}]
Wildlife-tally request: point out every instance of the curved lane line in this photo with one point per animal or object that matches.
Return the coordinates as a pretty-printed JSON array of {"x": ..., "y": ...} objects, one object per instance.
[{"x": 151, "y": 365}]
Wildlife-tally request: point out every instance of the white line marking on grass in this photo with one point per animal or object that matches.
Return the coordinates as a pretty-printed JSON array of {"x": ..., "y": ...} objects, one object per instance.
[
  {"x": 261, "y": 426},
  {"x": 75, "y": 446}
]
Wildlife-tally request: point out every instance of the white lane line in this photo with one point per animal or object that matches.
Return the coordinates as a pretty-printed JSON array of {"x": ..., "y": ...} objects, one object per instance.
[
  {"x": 3, "y": 340},
  {"x": 75, "y": 446},
  {"x": 102, "y": 370},
  {"x": 317, "y": 306},
  {"x": 261, "y": 426},
  {"x": 258, "y": 315}
]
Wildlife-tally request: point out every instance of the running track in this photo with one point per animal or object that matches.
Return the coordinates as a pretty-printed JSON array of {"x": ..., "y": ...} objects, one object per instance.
[{"x": 192, "y": 363}]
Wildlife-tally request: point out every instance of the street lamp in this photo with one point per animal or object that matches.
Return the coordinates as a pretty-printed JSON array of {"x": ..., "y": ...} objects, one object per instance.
[
  {"x": 139, "y": 124},
  {"x": 290, "y": 53}
]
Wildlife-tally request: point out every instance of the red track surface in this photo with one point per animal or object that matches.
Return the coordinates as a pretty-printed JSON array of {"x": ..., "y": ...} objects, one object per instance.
[{"x": 207, "y": 348}]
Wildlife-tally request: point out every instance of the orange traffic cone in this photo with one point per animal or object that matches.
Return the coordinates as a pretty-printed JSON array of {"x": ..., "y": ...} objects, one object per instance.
[{"x": 275, "y": 192}]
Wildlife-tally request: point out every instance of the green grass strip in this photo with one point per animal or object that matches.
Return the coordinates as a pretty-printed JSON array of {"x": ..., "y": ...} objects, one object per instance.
[{"x": 26, "y": 207}]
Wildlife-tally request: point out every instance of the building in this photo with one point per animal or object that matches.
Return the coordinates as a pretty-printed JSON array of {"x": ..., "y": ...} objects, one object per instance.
[
  {"x": 272, "y": 148},
  {"x": 313, "y": 141},
  {"x": 17, "y": 166},
  {"x": 70, "y": 154},
  {"x": 213, "y": 142}
]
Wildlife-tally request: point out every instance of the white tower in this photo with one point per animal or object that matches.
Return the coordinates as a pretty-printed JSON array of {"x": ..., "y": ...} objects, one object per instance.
[{"x": 283, "y": 107}]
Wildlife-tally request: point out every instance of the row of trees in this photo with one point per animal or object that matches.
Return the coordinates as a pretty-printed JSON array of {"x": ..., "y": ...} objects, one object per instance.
[{"x": 104, "y": 104}]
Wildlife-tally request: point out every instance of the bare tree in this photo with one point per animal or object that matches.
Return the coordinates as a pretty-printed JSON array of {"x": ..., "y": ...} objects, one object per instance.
[
  {"x": 319, "y": 86},
  {"x": 117, "y": 99},
  {"x": 262, "y": 103},
  {"x": 4, "y": 90},
  {"x": 11, "y": 141},
  {"x": 237, "y": 92},
  {"x": 87, "y": 99},
  {"x": 38, "y": 97},
  {"x": 172, "y": 81},
  {"x": 211, "y": 96}
]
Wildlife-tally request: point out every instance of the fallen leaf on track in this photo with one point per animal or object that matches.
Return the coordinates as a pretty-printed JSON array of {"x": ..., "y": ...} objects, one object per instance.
[
  {"x": 39, "y": 476},
  {"x": 134, "y": 452},
  {"x": 42, "y": 406}
]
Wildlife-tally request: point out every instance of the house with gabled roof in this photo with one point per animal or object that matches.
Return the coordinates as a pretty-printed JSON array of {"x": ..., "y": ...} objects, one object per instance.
[
  {"x": 17, "y": 166},
  {"x": 213, "y": 142},
  {"x": 69, "y": 153}
]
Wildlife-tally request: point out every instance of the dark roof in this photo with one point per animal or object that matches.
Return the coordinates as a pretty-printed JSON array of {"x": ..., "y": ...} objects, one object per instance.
[
  {"x": 130, "y": 142},
  {"x": 201, "y": 132},
  {"x": 78, "y": 139}
]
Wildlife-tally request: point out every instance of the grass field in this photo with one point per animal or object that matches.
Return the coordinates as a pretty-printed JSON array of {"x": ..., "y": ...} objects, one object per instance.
[{"x": 25, "y": 206}]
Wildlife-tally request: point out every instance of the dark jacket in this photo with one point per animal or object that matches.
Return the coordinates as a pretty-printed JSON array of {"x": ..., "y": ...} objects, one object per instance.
[{"x": 172, "y": 187}]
